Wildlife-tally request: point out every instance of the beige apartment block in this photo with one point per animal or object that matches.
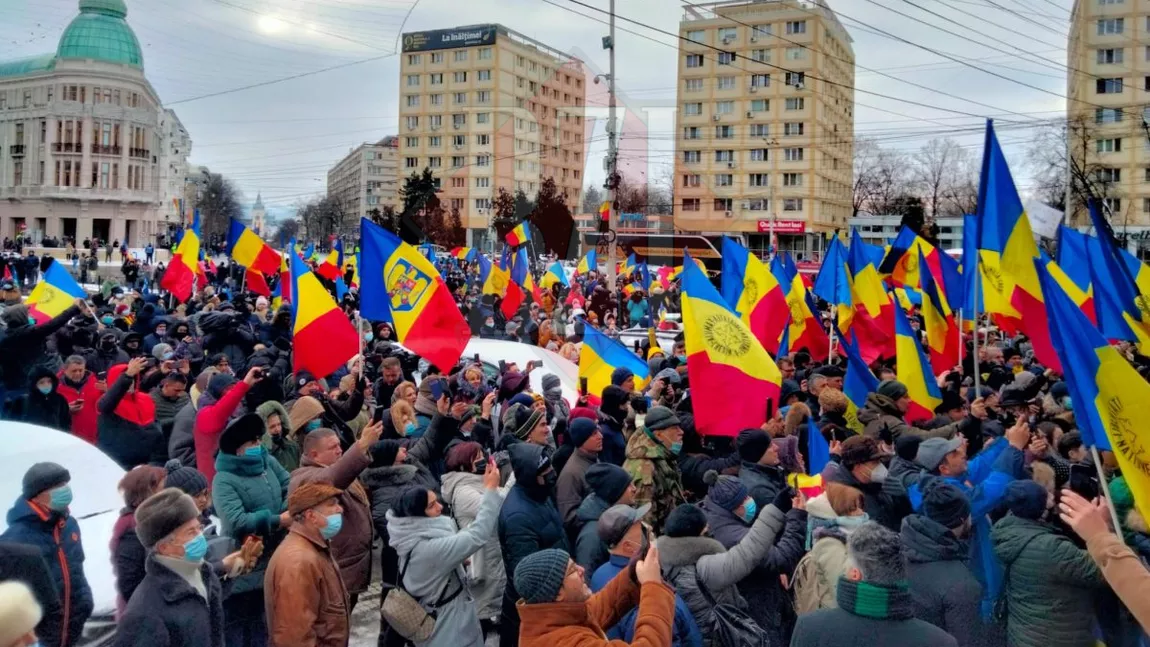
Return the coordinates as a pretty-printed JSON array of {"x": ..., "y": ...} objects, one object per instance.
[
  {"x": 367, "y": 179},
  {"x": 1108, "y": 53},
  {"x": 487, "y": 108},
  {"x": 765, "y": 122}
]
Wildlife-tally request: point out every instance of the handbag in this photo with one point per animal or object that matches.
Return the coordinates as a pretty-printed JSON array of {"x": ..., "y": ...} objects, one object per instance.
[
  {"x": 731, "y": 626},
  {"x": 403, "y": 612}
]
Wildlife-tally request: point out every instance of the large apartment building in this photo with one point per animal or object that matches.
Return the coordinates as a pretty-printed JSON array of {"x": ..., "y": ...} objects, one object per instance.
[
  {"x": 487, "y": 108},
  {"x": 765, "y": 122},
  {"x": 366, "y": 179},
  {"x": 1108, "y": 84}
]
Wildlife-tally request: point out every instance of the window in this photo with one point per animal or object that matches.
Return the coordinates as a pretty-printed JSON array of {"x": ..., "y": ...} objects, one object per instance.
[
  {"x": 518, "y": 61},
  {"x": 435, "y": 121},
  {"x": 697, "y": 36},
  {"x": 435, "y": 79},
  {"x": 458, "y": 140},
  {"x": 410, "y": 162},
  {"x": 794, "y": 103},
  {"x": 724, "y": 132},
  {"x": 483, "y": 160},
  {"x": 484, "y": 54},
  {"x": 761, "y": 55},
  {"x": 727, "y": 58},
  {"x": 458, "y": 161},
  {"x": 795, "y": 79},
  {"x": 758, "y": 179},
  {"x": 692, "y": 157},
  {"x": 760, "y": 80},
  {"x": 414, "y": 59},
  {"x": 792, "y": 179},
  {"x": 484, "y": 75},
  {"x": 795, "y": 53},
  {"x": 43, "y": 131},
  {"x": 17, "y": 173},
  {"x": 435, "y": 162},
  {"x": 435, "y": 141},
  {"x": 692, "y": 109},
  {"x": 412, "y": 123},
  {"x": 483, "y": 96},
  {"x": 791, "y": 129},
  {"x": 691, "y": 180},
  {"x": 1145, "y": 205},
  {"x": 728, "y": 34},
  {"x": 757, "y": 205},
  {"x": 413, "y": 101},
  {"x": 435, "y": 99},
  {"x": 724, "y": 107},
  {"x": 760, "y": 105},
  {"x": 410, "y": 142},
  {"x": 690, "y": 204},
  {"x": 461, "y": 77},
  {"x": 724, "y": 156},
  {"x": 1109, "y": 145},
  {"x": 691, "y": 132},
  {"x": 725, "y": 83},
  {"x": 1113, "y": 204},
  {"x": 759, "y": 31},
  {"x": 760, "y": 154},
  {"x": 723, "y": 204},
  {"x": 437, "y": 57},
  {"x": 1106, "y": 56},
  {"x": 1110, "y": 26},
  {"x": 483, "y": 140},
  {"x": 693, "y": 85},
  {"x": 1108, "y": 86},
  {"x": 694, "y": 60},
  {"x": 1105, "y": 2},
  {"x": 1108, "y": 175},
  {"x": 760, "y": 130},
  {"x": 412, "y": 80},
  {"x": 724, "y": 179},
  {"x": 482, "y": 117},
  {"x": 460, "y": 98},
  {"x": 793, "y": 154},
  {"x": 482, "y": 203},
  {"x": 105, "y": 174},
  {"x": 797, "y": 27},
  {"x": 793, "y": 204},
  {"x": 1107, "y": 115},
  {"x": 460, "y": 55}
]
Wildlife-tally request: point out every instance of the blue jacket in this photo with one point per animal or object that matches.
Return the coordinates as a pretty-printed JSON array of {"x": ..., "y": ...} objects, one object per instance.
[
  {"x": 614, "y": 442},
  {"x": 984, "y": 482},
  {"x": 58, "y": 538},
  {"x": 685, "y": 632}
]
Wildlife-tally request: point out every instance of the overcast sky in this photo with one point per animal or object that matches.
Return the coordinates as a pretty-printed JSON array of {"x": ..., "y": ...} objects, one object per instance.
[{"x": 280, "y": 138}]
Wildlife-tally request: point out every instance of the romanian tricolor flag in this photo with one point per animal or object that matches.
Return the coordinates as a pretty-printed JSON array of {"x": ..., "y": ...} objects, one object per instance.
[
  {"x": 605, "y": 211},
  {"x": 55, "y": 293},
  {"x": 402, "y": 286},
  {"x": 249, "y": 250},
  {"x": 1110, "y": 397},
  {"x": 941, "y": 329},
  {"x": 678, "y": 271},
  {"x": 180, "y": 277},
  {"x": 627, "y": 266},
  {"x": 464, "y": 254},
  {"x": 754, "y": 293},
  {"x": 331, "y": 267},
  {"x": 858, "y": 383},
  {"x": 1007, "y": 253},
  {"x": 323, "y": 338},
  {"x": 519, "y": 285},
  {"x": 553, "y": 275},
  {"x": 914, "y": 372},
  {"x": 256, "y": 283},
  {"x": 871, "y": 315},
  {"x": 901, "y": 262},
  {"x": 589, "y": 263},
  {"x": 600, "y": 356},
  {"x": 518, "y": 236},
  {"x": 732, "y": 376},
  {"x": 804, "y": 328},
  {"x": 284, "y": 285},
  {"x": 810, "y": 486}
]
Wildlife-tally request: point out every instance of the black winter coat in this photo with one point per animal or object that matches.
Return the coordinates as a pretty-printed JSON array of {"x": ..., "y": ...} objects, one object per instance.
[
  {"x": 837, "y": 627},
  {"x": 36, "y": 408},
  {"x": 124, "y": 441},
  {"x": 944, "y": 590},
  {"x": 762, "y": 481},
  {"x": 590, "y": 551},
  {"x": 25, "y": 563},
  {"x": 182, "y": 442},
  {"x": 166, "y": 611},
  {"x": 22, "y": 348}
]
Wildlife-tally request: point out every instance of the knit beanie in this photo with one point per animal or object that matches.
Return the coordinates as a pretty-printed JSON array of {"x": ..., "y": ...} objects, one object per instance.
[
  {"x": 944, "y": 503},
  {"x": 551, "y": 381},
  {"x": 892, "y": 389},
  {"x": 43, "y": 476},
  {"x": 752, "y": 444},
  {"x": 160, "y": 350},
  {"x": 162, "y": 514},
  {"x": 520, "y": 420},
  {"x": 583, "y": 412},
  {"x": 540, "y": 575},
  {"x": 19, "y": 611},
  {"x": 607, "y": 481},
  {"x": 1026, "y": 499},
  {"x": 660, "y": 418},
  {"x": 581, "y": 431},
  {"x": 686, "y": 520},
  {"x": 187, "y": 479},
  {"x": 241, "y": 431},
  {"x": 383, "y": 453},
  {"x": 524, "y": 399},
  {"x": 220, "y": 383},
  {"x": 621, "y": 375},
  {"x": 727, "y": 492}
]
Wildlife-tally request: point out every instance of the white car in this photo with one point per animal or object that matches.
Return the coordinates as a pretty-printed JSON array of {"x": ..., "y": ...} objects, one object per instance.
[
  {"x": 96, "y": 505},
  {"x": 666, "y": 338}
]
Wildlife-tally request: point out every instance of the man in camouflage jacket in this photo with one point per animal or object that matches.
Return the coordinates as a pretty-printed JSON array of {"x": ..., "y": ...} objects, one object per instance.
[{"x": 653, "y": 463}]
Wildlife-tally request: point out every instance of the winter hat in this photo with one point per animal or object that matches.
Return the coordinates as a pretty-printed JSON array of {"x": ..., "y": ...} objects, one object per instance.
[
  {"x": 944, "y": 503},
  {"x": 581, "y": 431},
  {"x": 19, "y": 611},
  {"x": 219, "y": 384},
  {"x": 162, "y": 513},
  {"x": 469, "y": 413},
  {"x": 240, "y": 431},
  {"x": 932, "y": 451},
  {"x": 906, "y": 447},
  {"x": 670, "y": 376},
  {"x": 303, "y": 377},
  {"x": 789, "y": 388},
  {"x": 788, "y": 447},
  {"x": 304, "y": 410},
  {"x": 187, "y": 479},
  {"x": 752, "y": 444},
  {"x": 44, "y": 476},
  {"x": 383, "y": 453},
  {"x": 583, "y": 412},
  {"x": 1059, "y": 390},
  {"x": 551, "y": 381},
  {"x": 520, "y": 420},
  {"x": 659, "y": 418},
  {"x": 201, "y": 385},
  {"x": 608, "y": 481},
  {"x": 524, "y": 399},
  {"x": 858, "y": 450},
  {"x": 540, "y": 575},
  {"x": 621, "y": 375},
  {"x": 832, "y": 401},
  {"x": 512, "y": 383},
  {"x": 727, "y": 492},
  {"x": 1026, "y": 499},
  {"x": 686, "y": 520},
  {"x": 892, "y": 389},
  {"x": 982, "y": 392},
  {"x": 309, "y": 495},
  {"x": 612, "y": 401},
  {"x": 160, "y": 350}
]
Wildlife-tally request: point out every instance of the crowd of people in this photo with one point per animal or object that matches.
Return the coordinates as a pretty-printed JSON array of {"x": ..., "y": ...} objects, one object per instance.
[{"x": 259, "y": 501}]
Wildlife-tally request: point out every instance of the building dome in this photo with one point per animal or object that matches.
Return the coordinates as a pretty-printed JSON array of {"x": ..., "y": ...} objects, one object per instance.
[{"x": 101, "y": 33}]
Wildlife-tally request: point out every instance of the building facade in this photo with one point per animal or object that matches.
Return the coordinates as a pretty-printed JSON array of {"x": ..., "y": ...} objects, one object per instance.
[
  {"x": 259, "y": 216},
  {"x": 86, "y": 147},
  {"x": 765, "y": 122},
  {"x": 367, "y": 179},
  {"x": 487, "y": 108},
  {"x": 880, "y": 230}
]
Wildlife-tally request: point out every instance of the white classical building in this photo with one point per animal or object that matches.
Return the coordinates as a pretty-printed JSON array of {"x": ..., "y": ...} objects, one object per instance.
[{"x": 86, "y": 147}]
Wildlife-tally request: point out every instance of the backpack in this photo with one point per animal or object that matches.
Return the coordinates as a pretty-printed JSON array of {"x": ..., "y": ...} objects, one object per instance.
[
  {"x": 731, "y": 626},
  {"x": 808, "y": 586}
]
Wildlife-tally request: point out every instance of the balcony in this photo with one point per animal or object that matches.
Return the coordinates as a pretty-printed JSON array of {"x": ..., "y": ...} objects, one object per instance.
[
  {"x": 61, "y": 147},
  {"x": 16, "y": 150},
  {"x": 141, "y": 153},
  {"x": 99, "y": 149}
]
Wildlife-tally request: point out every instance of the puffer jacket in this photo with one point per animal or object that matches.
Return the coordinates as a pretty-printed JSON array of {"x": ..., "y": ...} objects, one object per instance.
[
  {"x": 249, "y": 494},
  {"x": 590, "y": 551},
  {"x": 881, "y": 414},
  {"x": 944, "y": 590},
  {"x": 688, "y": 561},
  {"x": 485, "y": 575},
  {"x": 1049, "y": 585}
]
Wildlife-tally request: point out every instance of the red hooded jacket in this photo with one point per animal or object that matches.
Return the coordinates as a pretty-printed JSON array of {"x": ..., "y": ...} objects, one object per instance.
[{"x": 84, "y": 420}]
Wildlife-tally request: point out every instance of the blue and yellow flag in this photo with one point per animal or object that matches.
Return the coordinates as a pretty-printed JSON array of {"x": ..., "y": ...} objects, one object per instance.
[{"x": 600, "y": 356}]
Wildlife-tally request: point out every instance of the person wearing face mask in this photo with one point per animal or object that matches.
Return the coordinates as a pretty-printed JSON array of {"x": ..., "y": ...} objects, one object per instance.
[
  {"x": 42, "y": 405},
  {"x": 528, "y": 522},
  {"x": 653, "y": 463},
  {"x": 158, "y": 335},
  {"x": 41, "y": 518},
  {"x": 23, "y": 346},
  {"x": 307, "y": 603},
  {"x": 249, "y": 492},
  {"x": 277, "y": 441},
  {"x": 305, "y": 416},
  {"x": 886, "y": 408},
  {"x": 107, "y": 352},
  {"x": 20, "y": 614},
  {"x": 432, "y": 550},
  {"x": 944, "y": 590},
  {"x": 831, "y": 518},
  {"x": 861, "y": 465},
  {"x": 216, "y": 408}
]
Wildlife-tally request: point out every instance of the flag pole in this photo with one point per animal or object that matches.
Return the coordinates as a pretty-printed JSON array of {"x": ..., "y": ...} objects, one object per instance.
[{"x": 1106, "y": 492}]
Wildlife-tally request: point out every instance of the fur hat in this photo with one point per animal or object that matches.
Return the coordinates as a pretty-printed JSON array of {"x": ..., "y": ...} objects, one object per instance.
[
  {"x": 162, "y": 514},
  {"x": 19, "y": 611}
]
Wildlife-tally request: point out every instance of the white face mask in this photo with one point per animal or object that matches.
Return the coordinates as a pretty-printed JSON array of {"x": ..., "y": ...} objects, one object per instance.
[{"x": 878, "y": 474}]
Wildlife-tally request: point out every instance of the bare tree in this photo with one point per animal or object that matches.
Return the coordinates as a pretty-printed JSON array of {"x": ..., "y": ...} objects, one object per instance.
[
  {"x": 1058, "y": 146},
  {"x": 960, "y": 196},
  {"x": 887, "y": 181},
  {"x": 322, "y": 218},
  {"x": 288, "y": 230},
  {"x": 218, "y": 202},
  {"x": 934, "y": 166}
]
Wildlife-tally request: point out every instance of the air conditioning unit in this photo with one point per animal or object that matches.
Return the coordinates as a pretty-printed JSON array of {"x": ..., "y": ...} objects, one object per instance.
[
  {"x": 714, "y": 117},
  {"x": 753, "y": 89},
  {"x": 730, "y": 165},
  {"x": 727, "y": 40},
  {"x": 750, "y": 114},
  {"x": 754, "y": 39},
  {"x": 727, "y": 214}
]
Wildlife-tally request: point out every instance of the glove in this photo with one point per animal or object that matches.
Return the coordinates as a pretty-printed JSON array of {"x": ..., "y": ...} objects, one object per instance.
[{"x": 782, "y": 500}]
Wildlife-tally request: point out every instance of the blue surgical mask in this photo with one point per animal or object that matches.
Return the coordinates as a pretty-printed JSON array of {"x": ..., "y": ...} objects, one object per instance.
[
  {"x": 31, "y": 321},
  {"x": 107, "y": 320},
  {"x": 314, "y": 424},
  {"x": 368, "y": 337},
  {"x": 676, "y": 447},
  {"x": 749, "y": 510},
  {"x": 45, "y": 389},
  {"x": 682, "y": 359},
  {"x": 254, "y": 452},
  {"x": 61, "y": 498},
  {"x": 196, "y": 549},
  {"x": 1067, "y": 403},
  {"x": 409, "y": 429},
  {"x": 334, "y": 524}
]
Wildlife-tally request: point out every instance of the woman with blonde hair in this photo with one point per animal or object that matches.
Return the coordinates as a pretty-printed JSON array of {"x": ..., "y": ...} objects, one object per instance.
[
  {"x": 569, "y": 352},
  {"x": 405, "y": 391},
  {"x": 546, "y": 333}
]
